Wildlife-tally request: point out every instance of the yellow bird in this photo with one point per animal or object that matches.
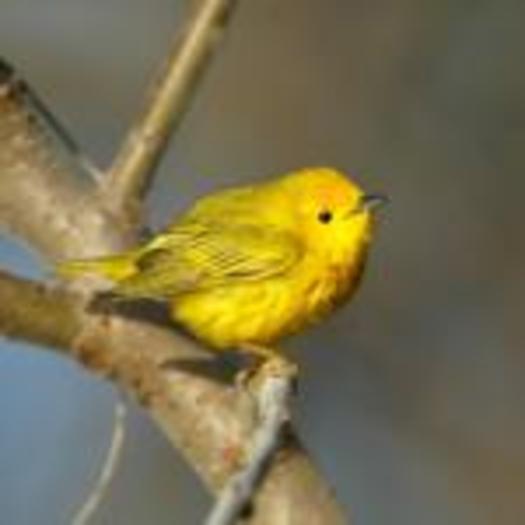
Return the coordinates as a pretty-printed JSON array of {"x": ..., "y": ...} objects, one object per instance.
[{"x": 247, "y": 266}]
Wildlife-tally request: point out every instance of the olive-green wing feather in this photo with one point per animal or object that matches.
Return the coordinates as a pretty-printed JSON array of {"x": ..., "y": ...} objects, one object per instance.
[{"x": 196, "y": 256}]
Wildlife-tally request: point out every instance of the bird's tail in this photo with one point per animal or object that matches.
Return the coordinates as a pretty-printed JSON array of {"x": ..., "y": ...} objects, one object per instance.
[{"x": 114, "y": 267}]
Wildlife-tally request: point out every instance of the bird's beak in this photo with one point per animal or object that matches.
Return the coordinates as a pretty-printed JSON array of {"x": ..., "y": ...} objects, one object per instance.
[
  {"x": 369, "y": 202},
  {"x": 372, "y": 201}
]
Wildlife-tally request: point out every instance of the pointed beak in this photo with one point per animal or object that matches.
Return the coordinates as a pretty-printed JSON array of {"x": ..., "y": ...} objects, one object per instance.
[{"x": 373, "y": 201}]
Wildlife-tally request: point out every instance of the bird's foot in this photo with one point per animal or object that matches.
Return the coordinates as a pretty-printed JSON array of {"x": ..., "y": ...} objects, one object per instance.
[{"x": 268, "y": 363}]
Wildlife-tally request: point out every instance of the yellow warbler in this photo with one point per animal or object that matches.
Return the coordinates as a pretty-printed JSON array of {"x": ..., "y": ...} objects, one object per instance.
[{"x": 250, "y": 265}]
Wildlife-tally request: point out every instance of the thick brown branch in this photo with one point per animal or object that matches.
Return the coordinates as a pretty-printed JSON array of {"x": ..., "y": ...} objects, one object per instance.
[
  {"x": 208, "y": 422},
  {"x": 37, "y": 313},
  {"x": 40, "y": 200},
  {"x": 169, "y": 98}
]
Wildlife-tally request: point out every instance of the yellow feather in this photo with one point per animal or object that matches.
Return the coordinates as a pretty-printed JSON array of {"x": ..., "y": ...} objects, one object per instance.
[{"x": 114, "y": 267}]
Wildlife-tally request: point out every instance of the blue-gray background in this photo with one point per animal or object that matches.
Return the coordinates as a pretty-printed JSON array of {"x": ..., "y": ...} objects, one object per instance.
[{"x": 411, "y": 398}]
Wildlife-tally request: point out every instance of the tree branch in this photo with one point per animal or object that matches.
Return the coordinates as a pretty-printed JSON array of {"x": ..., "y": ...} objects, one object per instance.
[
  {"x": 273, "y": 410},
  {"x": 45, "y": 205},
  {"x": 132, "y": 171},
  {"x": 111, "y": 462},
  {"x": 37, "y": 313},
  {"x": 208, "y": 422},
  {"x": 41, "y": 201}
]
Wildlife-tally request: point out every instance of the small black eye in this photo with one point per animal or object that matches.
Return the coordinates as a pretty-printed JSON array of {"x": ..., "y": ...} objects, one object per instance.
[{"x": 325, "y": 216}]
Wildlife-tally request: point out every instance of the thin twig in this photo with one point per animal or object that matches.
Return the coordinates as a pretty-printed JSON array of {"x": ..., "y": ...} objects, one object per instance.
[
  {"x": 109, "y": 468},
  {"x": 273, "y": 403},
  {"x": 170, "y": 95}
]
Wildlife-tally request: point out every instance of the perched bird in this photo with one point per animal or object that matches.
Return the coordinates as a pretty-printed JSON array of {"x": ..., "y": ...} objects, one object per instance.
[{"x": 247, "y": 266}]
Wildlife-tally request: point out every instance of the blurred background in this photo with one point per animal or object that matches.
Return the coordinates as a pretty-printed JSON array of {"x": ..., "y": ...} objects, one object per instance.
[{"x": 412, "y": 397}]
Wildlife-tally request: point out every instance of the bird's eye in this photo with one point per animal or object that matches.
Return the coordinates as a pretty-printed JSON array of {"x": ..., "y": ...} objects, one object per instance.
[{"x": 325, "y": 216}]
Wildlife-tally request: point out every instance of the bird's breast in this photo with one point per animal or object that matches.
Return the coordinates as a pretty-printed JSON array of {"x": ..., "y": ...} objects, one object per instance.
[{"x": 264, "y": 311}]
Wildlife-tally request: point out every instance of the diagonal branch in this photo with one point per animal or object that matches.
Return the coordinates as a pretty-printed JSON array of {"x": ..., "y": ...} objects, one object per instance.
[
  {"x": 208, "y": 422},
  {"x": 41, "y": 200},
  {"x": 170, "y": 95},
  {"x": 36, "y": 313}
]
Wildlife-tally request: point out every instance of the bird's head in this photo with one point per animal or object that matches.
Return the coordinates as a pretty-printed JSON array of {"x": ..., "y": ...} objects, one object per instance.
[{"x": 334, "y": 215}]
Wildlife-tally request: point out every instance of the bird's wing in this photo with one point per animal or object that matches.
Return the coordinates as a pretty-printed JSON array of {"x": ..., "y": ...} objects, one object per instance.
[{"x": 196, "y": 256}]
